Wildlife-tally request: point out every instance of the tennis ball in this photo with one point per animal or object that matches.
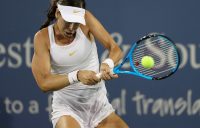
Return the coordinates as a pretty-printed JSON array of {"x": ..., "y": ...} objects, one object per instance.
[{"x": 147, "y": 62}]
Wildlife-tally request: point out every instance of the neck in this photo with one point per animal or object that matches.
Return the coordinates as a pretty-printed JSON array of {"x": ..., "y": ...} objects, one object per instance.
[{"x": 60, "y": 37}]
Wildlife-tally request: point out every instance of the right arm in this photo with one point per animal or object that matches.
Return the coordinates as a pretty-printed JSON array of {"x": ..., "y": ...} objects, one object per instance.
[{"x": 41, "y": 68}]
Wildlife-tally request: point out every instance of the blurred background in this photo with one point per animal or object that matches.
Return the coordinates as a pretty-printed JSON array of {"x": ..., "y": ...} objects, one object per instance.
[{"x": 170, "y": 103}]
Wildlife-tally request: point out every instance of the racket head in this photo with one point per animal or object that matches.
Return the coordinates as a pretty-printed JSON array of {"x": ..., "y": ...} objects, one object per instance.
[{"x": 163, "y": 51}]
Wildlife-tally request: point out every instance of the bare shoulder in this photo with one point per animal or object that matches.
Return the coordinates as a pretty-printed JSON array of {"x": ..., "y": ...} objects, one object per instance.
[
  {"x": 89, "y": 18},
  {"x": 88, "y": 14},
  {"x": 41, "y": 38},
  {"x": 86, "y": 28}
]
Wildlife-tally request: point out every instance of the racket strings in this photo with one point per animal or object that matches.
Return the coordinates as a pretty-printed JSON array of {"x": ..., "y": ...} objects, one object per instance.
[
  {"x": 162, "y": 51},
  {"x": 173, "y": 56}
]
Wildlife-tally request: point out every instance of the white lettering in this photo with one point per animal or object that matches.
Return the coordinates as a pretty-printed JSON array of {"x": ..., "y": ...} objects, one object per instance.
[
  {"x": 2, "y": 52},
  {"x": 165, "y": 107},
  {"x": 33, "y": 107},
  {"x": 16, "y": 56},
  {"x": 120, "y": 103},
  {"x": 193, "y": 56},
  {"x": 28, "y": 46},
  {"x": 15, "y": 106}
]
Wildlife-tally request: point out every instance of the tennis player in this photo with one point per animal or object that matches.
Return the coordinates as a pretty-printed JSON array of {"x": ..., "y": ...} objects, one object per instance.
[{"x": 65, "y": 61}]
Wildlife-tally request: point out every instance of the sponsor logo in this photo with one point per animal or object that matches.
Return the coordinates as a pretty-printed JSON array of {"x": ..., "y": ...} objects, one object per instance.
[
  {"x": 72, "y": 53},
  {"x": 76, "y": 11}
]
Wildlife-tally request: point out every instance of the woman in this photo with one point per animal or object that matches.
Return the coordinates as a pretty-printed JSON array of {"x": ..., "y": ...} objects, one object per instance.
[{"x": 65, "y": 61}]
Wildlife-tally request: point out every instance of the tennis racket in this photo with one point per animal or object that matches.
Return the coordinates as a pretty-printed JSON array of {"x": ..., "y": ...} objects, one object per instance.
[{"x": 159, "y": 47}]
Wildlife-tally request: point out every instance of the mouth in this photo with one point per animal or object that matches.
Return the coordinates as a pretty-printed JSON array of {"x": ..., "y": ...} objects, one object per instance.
[{"x": 69, "y": 34}]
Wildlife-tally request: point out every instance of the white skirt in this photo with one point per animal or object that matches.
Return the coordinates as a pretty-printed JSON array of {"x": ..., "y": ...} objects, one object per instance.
[{"x": 88, "y": 106}]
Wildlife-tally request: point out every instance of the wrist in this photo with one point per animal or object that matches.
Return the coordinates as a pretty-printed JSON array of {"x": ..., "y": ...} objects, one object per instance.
[
  {"x": 109, "y": 62},
  {"x": 73, "y": 77}
]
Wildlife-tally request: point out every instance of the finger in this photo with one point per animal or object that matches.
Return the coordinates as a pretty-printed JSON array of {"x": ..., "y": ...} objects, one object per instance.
[
  {"x": 107, "y": 70},
  {"x": 106, "y": 76},
  {"x": 94, "y": 79},
  {"x": 115, "y": 76},
  {"x": 91, "y": 82}
]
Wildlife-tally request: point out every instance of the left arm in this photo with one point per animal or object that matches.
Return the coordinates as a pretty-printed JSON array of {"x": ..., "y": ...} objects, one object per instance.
[{"x": 99, "y": 32}]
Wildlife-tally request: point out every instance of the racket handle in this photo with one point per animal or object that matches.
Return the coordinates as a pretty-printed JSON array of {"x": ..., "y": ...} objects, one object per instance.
[{"x": 99, "y": 75}]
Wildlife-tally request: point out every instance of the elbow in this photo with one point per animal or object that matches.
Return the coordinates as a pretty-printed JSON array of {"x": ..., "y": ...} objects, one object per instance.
[
  {"x": 41, "y": 80},
  {"x": 44, "y": 89},
  {"x": 44, "y": 86}
]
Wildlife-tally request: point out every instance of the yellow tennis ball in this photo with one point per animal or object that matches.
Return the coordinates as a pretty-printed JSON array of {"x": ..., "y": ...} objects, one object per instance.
[{"x": 147, "y": 62}]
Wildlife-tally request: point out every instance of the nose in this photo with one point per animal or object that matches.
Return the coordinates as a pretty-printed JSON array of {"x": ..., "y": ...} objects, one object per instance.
[{"x": 71, "y": 26}]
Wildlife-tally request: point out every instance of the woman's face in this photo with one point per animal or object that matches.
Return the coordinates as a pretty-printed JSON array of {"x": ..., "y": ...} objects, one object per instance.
[{"x": 67, "y": 29}]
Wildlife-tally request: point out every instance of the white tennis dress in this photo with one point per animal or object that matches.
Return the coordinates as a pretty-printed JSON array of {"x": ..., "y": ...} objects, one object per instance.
[{"x": 88, "y": 105}]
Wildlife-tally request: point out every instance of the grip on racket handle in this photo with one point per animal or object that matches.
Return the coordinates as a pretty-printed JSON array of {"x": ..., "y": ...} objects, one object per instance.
[{"x": 99, "y": 75}]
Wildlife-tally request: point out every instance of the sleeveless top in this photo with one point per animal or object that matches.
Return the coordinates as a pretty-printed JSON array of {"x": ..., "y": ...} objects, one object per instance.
[{"x": 80, "y": 54}]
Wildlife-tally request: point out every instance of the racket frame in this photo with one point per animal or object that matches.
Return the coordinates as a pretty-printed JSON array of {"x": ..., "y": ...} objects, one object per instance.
[{"x": 117, "y": 70}]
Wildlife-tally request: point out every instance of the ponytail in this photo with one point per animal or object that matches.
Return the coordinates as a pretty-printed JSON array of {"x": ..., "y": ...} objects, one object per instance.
[
  {"x": 50, "y": 14},
  {"x": 52, "y": 9}
]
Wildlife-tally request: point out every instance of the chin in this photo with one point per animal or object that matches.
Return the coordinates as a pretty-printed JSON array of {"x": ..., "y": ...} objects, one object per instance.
[{"x": 69, "y": 36}]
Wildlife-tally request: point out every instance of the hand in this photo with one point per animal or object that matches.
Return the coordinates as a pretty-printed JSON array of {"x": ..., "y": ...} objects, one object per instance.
[
  {"x": 87, "y": 77},
  {"x": 106, "y": 72}
]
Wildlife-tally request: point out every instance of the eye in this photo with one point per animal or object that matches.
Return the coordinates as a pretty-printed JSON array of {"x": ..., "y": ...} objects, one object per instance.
[
  {"x": 67, "y": 23},
  {"x": 76, "y": 24}
]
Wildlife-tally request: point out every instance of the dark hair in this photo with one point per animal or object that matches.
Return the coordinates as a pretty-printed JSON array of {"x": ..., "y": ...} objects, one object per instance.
[{"x": 53, "y": 6}]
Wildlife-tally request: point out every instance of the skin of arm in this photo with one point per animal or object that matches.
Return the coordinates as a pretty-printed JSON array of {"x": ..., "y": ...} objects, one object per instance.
[
  {"x": 99, "y": 32},
  {"x": 41, "y": 66},
  {"x": 103, "y": 37}
]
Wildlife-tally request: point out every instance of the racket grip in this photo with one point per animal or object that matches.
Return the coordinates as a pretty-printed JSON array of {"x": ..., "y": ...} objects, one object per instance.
[{"x": 99, "y": 75}]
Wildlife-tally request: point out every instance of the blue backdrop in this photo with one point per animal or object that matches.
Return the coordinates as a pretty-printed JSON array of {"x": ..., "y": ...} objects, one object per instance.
[{"x": 170, "y": 103}]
